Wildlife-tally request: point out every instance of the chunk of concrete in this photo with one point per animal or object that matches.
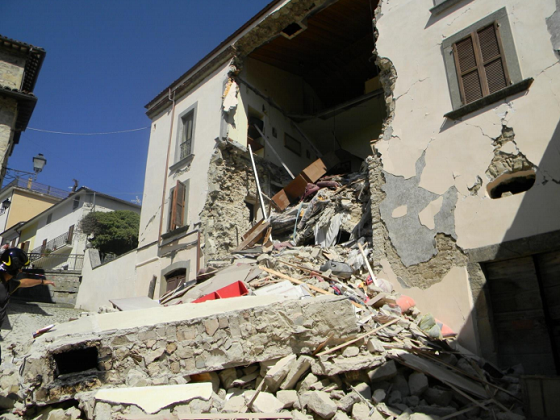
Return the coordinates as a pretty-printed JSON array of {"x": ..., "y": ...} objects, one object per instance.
[
  {"x": 379, "y": 395},
  {"x": 235, "y": 404},
  {"x": 346, "y": 403},
  {"x": 320, "y": 403},
  {"x": 227, "y": 376},
  {"x": 361, "y": 411},
  {"x": 417, "y": 383},
  {"x": 297, "y": 369},
  {"x": 288, "y": 398},
  {"x": 306, "y": 383},
  {"x": 264, "y": 403},
  {"x": 277, "y": 373},
  {"x": 256, "y": 330},
  {"x": 363, "y": 389},
  {"x": 401, "y": 384},
  {"x": 375, "y": 345},
  {"x": 384, "y": 372},
  {"x": 439, "y": 396},
  {"x": 153, "y": 399},
  {"x": 341, "y": 415}
]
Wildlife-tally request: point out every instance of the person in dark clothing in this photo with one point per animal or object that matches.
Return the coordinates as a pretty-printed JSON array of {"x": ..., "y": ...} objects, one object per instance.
[{"x": 12, "y": 261}]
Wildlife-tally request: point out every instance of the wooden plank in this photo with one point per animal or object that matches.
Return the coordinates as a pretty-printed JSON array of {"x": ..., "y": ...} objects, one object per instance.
[
  {"x": 358, "y": 338},
  {"x": 252, "y": 239},
  {"x": 281, "y": 200}
]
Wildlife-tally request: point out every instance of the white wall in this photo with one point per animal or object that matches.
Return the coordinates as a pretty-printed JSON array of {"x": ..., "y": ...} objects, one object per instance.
[
  {"x": 458, "y": 152},
  {"x": 208, "y": 98},
  {"x": 113, "y": 280}
]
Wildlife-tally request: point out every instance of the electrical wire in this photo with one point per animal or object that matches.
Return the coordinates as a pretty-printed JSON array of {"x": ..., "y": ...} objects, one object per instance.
[{"x": 87, "y": 134}]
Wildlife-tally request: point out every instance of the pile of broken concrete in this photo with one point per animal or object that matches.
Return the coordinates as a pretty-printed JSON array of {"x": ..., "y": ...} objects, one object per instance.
[{"x": 307, "y": 337}]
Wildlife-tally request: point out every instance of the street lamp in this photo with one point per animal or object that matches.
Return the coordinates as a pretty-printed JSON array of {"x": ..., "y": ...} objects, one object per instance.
[{"x": 39, "y": 163}]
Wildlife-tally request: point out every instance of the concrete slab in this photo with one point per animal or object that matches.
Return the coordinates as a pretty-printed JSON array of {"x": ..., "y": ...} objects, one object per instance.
[
  {"x": 154, "y": 398},
  {"x": 132, "y": 304}
]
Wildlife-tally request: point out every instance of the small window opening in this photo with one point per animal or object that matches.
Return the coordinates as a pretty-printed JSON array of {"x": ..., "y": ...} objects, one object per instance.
[
  {"x": 49, "y": 218},
  {"x": 254, "y": 130},
  {"x": 510, "y": 184},
  {"x": 253, "y": 210},
  {"x": 293, "y": 29},
  {"x": 76, "y": 361},
  {"x": 76, "y": 203}
]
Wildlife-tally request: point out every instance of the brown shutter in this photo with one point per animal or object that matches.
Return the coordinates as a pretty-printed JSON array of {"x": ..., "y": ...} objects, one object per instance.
[
  {"x": 492, "y": 59},
  {"x": 70, "y": 235},
  {"x": 467, "y": 69},
  {"x": 43, "y": 246},
  {"x": 25, "y": 246},
  {"x": 480, "y": 65},
  {"x": 177, "y": 206}
]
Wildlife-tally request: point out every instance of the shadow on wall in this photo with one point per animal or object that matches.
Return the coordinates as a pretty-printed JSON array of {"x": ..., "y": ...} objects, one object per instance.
[{"x": 516, "y": 284}]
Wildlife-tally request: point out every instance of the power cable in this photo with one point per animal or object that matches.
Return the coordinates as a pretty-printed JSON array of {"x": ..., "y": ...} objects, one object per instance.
[{"x": 87, "y": 134}]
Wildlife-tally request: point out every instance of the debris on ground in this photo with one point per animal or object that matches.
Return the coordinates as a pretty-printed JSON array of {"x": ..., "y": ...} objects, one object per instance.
[{"x": 298, "y": 329}]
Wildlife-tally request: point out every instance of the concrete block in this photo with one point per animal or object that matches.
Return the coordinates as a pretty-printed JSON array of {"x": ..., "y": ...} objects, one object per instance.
[
  {"x": 383, "y": 372},
  {"x": 277, "y": 373},
  {"x": 417, "y": 383},
  {"x": 264, "y": 403},
  {"x": 258, "y": 329},
  {"x": 288, "y": 397},
  {"x": 338, "y": 365},
  {"x": 320, "y": 403},
  {"x": 297, "y": 369}
]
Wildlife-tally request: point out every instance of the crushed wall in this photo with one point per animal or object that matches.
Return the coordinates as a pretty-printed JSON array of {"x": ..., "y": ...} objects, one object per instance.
[{"x": 179, "y": 343}]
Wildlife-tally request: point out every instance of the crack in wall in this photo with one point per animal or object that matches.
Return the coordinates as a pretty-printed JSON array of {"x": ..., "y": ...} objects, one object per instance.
[{"x": 505, "y": 162}]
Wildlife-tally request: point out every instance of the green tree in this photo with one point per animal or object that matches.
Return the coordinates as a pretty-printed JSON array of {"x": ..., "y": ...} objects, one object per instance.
[{"x": 114, "y": 232}]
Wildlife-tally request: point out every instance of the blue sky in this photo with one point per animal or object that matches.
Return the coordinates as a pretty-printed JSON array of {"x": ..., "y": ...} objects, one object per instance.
[{"x": 105, "y": 61}]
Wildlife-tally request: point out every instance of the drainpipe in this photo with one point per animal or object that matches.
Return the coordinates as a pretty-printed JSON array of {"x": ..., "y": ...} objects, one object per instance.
[{"x": 166, "y": 164}]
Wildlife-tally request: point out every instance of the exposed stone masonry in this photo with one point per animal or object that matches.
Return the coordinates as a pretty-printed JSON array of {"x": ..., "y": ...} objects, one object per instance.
[{"x": 225, "y": 216}]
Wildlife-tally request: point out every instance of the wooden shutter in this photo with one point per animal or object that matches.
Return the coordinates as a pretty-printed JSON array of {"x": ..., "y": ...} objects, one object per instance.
[
  {"x": 70, "y": 235},
  {"x": 43, "y": 246},
  {"x": 25, "y": 246},
  {"x": 480, "y": 65},
  {"x": 177, "y": 206}
]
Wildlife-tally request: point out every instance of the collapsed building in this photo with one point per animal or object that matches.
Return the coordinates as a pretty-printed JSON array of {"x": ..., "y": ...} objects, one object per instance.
[{"x": 444, "y": 110}]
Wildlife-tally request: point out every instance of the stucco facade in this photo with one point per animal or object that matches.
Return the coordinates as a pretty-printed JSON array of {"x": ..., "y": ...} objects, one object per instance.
[{"x": 457, "y": 184}]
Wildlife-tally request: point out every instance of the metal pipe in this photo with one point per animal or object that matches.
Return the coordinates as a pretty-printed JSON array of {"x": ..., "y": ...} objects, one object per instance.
[
  {"x": 166, "y": 163},
  {"x": 265, "y": 216}
]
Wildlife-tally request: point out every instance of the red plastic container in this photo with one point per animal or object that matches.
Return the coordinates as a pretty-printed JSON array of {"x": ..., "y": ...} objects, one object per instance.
[{"x": 233, "y": 290}]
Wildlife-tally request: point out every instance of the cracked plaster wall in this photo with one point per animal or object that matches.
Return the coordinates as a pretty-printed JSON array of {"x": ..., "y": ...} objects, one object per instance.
[
  {"x": 429, "y": 176},
  {"x": 466, "y": 155}
]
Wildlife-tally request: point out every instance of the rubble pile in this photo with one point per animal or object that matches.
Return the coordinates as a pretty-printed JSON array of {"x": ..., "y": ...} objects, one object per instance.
[{"x": 276, "y": 331}]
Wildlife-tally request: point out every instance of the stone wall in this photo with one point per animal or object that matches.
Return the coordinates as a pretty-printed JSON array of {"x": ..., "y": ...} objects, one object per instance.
[
  {"x": 225, "y": 217},
  {"x": 63, "y": 293},
  {"x": 162, "y": 345}
]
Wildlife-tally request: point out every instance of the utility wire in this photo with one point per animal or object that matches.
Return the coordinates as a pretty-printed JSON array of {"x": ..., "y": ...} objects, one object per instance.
[{"x": 87, "y": 134}]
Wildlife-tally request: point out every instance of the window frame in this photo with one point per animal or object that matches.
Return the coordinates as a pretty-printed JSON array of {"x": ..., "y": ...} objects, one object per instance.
[
  {"x": 178, "y": 219},
  {"x": 509, "y": 59},
  {"x": 182, "y": 118}
]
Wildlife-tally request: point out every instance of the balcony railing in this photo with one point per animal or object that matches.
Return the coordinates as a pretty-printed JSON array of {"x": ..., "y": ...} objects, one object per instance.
[
  {"x": 70, "y": 262},
  {"x": 53, "y": 244},
  {"x": 37, "y": 187}
]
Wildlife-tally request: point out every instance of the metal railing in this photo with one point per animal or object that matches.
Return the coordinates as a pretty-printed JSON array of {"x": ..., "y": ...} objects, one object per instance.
[
  {"x": 52, "y": 245},
  {"x": 31, "y": 185},
  {"x": 70, "y": 262}
]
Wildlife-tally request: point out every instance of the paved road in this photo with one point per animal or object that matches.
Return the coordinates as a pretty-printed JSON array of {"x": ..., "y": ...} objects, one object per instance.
[{"x": 26, "y": 318}]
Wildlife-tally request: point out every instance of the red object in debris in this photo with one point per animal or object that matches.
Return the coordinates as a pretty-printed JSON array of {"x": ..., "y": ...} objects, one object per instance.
[
  {"x": 233, "y": 290},
  {"x": 445, "y": 330},
  {"x": 405, "y": 303},
  {"x": 328, "y": 184},
  {"x": 369, "y": 280}
]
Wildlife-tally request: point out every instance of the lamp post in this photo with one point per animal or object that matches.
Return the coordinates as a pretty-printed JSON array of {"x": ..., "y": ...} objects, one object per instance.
[{"x": 39, "y": 163}]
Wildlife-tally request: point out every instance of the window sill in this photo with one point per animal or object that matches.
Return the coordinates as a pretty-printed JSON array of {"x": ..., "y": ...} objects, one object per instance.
[
  {"x": 174, "y": 235},
  {"x": 490, "y": 99},
  {"x": 183, "y": 162},
  {"x": 446, "y": 4}
]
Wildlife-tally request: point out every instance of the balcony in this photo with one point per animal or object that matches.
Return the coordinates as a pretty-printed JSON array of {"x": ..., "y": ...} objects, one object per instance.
[
  {"x": 31, "y": 185},
  {"x": 56, "y": 244}
]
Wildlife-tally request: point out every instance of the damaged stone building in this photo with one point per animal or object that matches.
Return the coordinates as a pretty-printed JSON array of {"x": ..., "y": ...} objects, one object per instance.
[{"x": 450, "y": 107}]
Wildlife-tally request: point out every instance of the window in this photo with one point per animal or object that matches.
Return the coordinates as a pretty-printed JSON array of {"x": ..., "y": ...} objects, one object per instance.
[
  {"x": 178, "y": 207},
  {"x": 292, "y": 144},
  {"x": 185, "y": 134},
  {"x": 76, "y": 203},
  {"x": 49, "y": 219},
  {"x": 481, "y": 65}
]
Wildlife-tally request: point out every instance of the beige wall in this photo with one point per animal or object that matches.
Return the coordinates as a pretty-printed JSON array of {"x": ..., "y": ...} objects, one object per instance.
[
  {"x": 25, "y": 206},
  {"x": 424, "y": 155}
]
